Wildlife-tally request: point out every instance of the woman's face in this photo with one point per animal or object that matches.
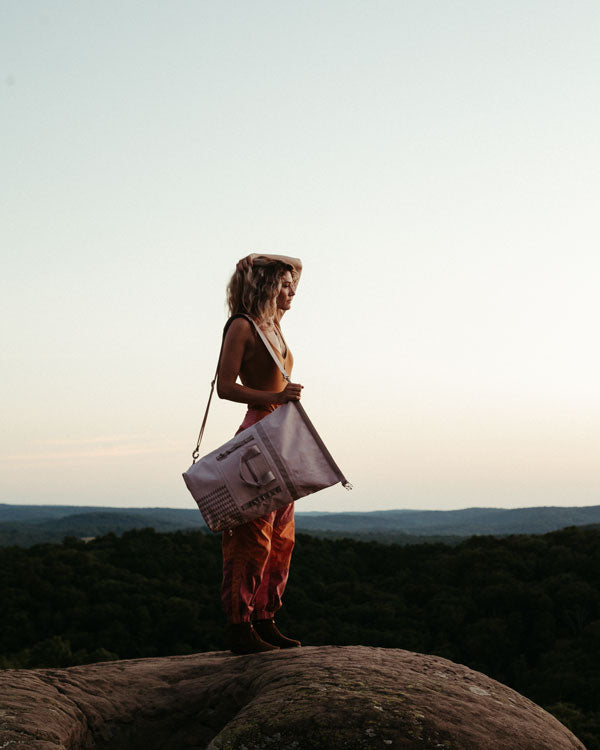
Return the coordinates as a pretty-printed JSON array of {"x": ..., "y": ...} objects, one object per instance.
[{"x": 286, "y": 292}]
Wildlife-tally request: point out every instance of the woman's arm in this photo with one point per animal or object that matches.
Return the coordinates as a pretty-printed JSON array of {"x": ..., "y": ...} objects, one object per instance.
[
  {"x": 237, "y": 341},
  {"x": 245, "y": 263}
]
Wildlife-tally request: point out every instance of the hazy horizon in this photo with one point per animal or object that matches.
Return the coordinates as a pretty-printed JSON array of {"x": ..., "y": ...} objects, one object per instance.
[
  {"x": 299, "y": 508},
  {"x": 435, "y": 166}
]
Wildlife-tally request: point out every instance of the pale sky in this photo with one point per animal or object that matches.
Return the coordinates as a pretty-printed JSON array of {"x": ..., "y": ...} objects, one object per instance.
[{"x": 434, "y": 164}]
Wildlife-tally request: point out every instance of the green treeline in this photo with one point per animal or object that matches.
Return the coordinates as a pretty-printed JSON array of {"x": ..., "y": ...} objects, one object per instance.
[{"x": 523, "y": 609}]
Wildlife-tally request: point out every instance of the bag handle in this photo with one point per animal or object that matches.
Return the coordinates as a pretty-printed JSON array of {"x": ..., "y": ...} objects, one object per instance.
[
  {"x": 259, "y": 475},
  {"x": 196, "y": 452}
]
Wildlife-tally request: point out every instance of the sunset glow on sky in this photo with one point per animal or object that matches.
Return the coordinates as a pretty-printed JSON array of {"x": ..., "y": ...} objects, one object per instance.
[{"x": 435, "y": 165}]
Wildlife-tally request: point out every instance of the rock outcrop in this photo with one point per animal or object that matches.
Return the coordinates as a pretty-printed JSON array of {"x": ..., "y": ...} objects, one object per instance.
[{"x": 301, "y": 699}]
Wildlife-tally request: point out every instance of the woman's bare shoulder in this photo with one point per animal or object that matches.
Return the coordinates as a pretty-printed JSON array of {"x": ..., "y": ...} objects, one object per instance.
[{"x": 240, "y": 328}]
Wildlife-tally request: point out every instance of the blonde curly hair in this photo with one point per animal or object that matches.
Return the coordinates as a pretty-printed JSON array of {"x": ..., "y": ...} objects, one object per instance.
[{"x": 254, "y": 291}]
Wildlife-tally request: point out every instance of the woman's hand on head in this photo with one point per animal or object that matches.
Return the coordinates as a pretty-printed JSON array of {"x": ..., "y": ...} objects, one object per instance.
[
  {"x": 244, "y": 263},
  {"x": 291, "y": 392}
]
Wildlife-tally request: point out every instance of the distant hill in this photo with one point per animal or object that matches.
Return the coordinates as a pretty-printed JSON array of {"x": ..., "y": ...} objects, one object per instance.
[
  {"x": 190, "y": 518},
  {"x": 25, "y": 525},
  {"x": 467, "y": 522}
]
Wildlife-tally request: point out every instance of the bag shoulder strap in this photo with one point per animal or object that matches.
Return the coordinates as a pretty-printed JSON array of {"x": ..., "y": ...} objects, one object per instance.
[{"x": 265, "y": 341}]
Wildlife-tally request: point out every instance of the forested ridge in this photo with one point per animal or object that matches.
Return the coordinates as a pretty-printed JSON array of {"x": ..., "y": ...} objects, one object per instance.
[
  {"x": 26, "y": 525},
  {"x": 522, "y": 609}
]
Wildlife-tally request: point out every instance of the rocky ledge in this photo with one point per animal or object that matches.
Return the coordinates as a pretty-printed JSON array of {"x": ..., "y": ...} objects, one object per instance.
[{"x": 308, "y": 698}]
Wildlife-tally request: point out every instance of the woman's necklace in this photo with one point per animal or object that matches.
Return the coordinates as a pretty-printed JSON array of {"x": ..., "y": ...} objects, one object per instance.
[{"x": 281, "y": 345}]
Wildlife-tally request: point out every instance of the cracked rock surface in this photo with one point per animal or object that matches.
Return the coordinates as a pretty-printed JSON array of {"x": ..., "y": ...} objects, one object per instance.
[{"x": 302, "y": 699}]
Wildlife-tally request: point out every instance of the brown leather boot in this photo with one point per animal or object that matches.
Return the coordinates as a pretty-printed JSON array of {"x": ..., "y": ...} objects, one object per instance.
[
  {"x": 267, "y": 630},
  {"x": 243, "y": 639}
]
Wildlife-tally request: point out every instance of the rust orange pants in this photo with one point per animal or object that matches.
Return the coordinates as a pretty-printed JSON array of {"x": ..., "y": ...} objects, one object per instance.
[{"x": 256, "y": 558}]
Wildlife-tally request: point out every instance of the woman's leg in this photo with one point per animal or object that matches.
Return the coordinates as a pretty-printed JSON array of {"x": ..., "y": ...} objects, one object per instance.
[
  {"x": 277, "y": 567},
  {"x": 246, "y": 550},
  {"x": 275, "y": 575},
  {"x": 245, "y": 554}
]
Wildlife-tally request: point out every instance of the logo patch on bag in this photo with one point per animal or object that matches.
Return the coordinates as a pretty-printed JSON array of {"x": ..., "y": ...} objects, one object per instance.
[{"x": 261, "y": 498}]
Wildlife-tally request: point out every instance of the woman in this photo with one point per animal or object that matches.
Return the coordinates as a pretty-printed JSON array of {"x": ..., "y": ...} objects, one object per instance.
[{"x": 256, "y": 555}]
